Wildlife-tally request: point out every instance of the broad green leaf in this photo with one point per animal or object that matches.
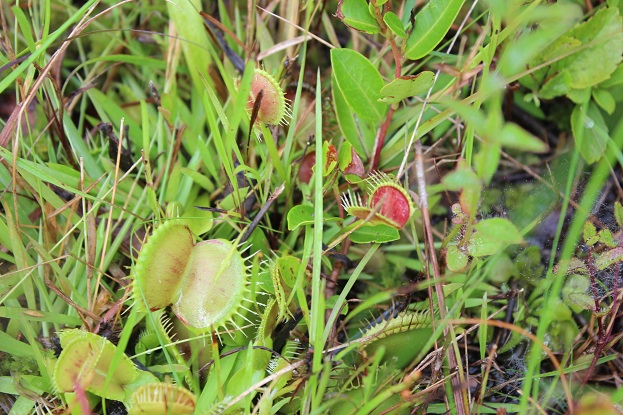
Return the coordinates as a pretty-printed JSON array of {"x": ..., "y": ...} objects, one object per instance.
[
  {"x": 515, "y": 137},
  {"x": 461, "y": 178},
  {"x": 464, "y": 179},
  {"x": 608, "y": 258},
  {"x": 393, "y": 22},
  {"x": 355, "y": 13},
  {"x": 606, "y": 238},
  {"x": 199, "y": 220},
  {"x": 300, "y": 215},
  {"x": 499, "y": 229},
  {"x": 455, "y": 259},
  {"x": 590, "y": 132},
  {"x": 431, "y": 26},
  {"x": 616, "y": 78},
  {"x": 604, "y": 99},
  {"x": 543, "y": 25},
  {"x": 487, "y": 160},
  {"x": 360, "y": 83},
  {"x": 582, "y": 300},
  {"x": 374, "y": 233},
  {"x": 406, "y": 86},
  {"x": 589, "y": 233},
  {"x": 587, "y": 54},
  {"x": 579, "y": 96},
  {"x": 603, "y": 34},
  {"x": 574, "y": 287},
  {"x": 354, "y": 134},
  {"x": 482, "y": 245}
]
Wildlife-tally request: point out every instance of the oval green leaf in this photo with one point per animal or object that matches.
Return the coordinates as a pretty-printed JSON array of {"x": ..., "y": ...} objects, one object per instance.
[
  {"x": 395, "y": 24},
  {"x": 431, "y": 25},
  {"x": 500, "y": 230},
  {"x": 515, "y": 137},
  {"x": 374, "y": 233},
  {"x": 406, "y": 86},
  {"x": 355, "y": 13},
  {"x": 346, "y": 122},
  {"x": 360, "y": 83},
  {"x": 590, "y": 132},
  {"x": 300, "y": 215},
  {"x": 455, "y": 259}
]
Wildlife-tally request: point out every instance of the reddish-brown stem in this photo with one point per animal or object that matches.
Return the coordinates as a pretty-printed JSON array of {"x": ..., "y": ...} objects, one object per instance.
[
  {"x": 604, "y": 334},
  {"x": 592, "y": 271},
  {"x": 379, "y": 140},
  {"x": 458, "y": 389}
]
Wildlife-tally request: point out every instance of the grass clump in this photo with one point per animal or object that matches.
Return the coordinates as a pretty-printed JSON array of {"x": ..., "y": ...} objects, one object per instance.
[{"x": 429, "y": 192}]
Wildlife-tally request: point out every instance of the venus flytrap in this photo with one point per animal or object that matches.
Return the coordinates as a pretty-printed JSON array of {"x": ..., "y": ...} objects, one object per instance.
[
  {"x": 90, "y": 366},
  {"x": 283, "y": 272},
  {"x": 402, "y": 336},
  {"x": 267, "y": 103},
  {"x": 206, "y": 283},
  {"x": 161, "y": 399},
  {"x": 85, "y": 363},
  {"x": 387, "y": 202}
]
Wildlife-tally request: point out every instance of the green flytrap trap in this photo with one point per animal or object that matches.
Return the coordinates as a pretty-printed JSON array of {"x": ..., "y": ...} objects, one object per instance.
[
  {"x": 91, "y": 366},
  {"x": 205, "y": 283}
]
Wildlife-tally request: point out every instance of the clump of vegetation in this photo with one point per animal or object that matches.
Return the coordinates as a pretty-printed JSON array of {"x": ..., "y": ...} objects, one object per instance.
[{"x": 345, "y": 207}]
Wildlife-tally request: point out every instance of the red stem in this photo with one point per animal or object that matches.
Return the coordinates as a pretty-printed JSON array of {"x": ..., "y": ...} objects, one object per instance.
[{"x": 382, "y": 132}]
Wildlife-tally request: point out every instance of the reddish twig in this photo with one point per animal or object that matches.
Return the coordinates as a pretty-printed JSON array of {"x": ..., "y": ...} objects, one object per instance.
[
  {"x": 379, "y": 140},
  {"x": 460, "y": 398}
]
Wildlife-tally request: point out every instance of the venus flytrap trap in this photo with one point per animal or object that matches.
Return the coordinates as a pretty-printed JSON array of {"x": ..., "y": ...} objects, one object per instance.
[
  {"x": 205, "y": 283},
  {"x": 282, "y": 273},
  {"x": 161, "y": 399},
  {"x": 205, "y": 317},
  {"x": 86, "y": 365},
  {"x": 403, "y": 336},
  {"x": 386, "y": 203},
  {"x": 267, "y": 103}
]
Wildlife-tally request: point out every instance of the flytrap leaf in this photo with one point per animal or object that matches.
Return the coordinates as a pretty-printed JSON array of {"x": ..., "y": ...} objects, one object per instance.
[
  {"x": 431, "y": 26},
  {"x": 205, "y": 282},
  {"x": 85, "y": 363},
  {"x": 161, "y": 399},
  {"x": 272, "y": 108},
  {"x": 349, "y": 161},
  {"x": 403, "y": 336},
  {"x": 387, "y": 202}
]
